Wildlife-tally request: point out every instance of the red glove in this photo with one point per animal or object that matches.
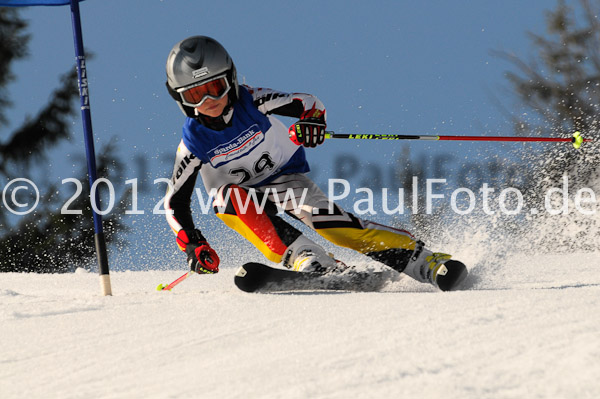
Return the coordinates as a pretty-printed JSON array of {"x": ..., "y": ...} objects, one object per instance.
[
  {"x": 201, "y": 257},
  {"x": 310, "y": 129}
]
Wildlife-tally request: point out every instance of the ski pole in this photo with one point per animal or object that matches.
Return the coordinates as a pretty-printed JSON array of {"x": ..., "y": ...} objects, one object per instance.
[
  {"x": 577, "y": 139},
  {"x": 162, "y": 287}
]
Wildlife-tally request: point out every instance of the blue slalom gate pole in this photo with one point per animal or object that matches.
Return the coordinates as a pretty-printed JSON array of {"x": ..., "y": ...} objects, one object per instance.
[{"x": 99, "y": 238}]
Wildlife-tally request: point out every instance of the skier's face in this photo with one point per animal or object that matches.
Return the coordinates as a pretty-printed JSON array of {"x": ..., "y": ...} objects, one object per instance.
[{"x": 213, "y": 108}]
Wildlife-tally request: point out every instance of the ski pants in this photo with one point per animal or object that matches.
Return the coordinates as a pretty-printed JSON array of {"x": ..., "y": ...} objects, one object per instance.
[{"x": 255, "y": 214}]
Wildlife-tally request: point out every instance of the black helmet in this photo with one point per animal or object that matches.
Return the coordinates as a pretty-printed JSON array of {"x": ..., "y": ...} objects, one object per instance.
[{"x": 195, "y": 61}]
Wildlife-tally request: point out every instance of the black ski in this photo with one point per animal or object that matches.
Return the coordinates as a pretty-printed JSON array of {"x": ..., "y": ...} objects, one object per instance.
[
  {"x": 258, "y": 277},
  {"x": 454, "y": 275},
  {"x": 254, "y": 277}
]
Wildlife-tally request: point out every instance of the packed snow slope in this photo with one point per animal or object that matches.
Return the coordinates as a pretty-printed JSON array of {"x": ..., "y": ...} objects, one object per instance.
[{"x": 523, "y": 327}]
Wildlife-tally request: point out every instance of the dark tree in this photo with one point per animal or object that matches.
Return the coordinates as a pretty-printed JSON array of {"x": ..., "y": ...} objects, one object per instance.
[
  {"x": 45, "y": 240},
  {"x": 13, "y": 46},
  {"x": 558, "y": 88}
]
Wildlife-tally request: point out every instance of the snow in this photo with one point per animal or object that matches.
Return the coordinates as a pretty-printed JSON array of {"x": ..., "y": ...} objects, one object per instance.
[{"x": 524, "y": 327}]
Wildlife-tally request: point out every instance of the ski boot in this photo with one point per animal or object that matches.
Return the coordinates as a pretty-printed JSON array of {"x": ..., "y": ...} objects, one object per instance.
[
  {"x": 436, "y": 268},
  {"x": 304, "y": 255}
]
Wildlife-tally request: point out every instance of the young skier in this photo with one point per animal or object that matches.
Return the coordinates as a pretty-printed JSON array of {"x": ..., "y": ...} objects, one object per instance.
[{"x": 244, "y": 154}]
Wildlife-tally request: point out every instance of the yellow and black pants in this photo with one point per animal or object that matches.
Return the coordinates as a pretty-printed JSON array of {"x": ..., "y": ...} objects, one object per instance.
[{"x": 254, "y": 213}]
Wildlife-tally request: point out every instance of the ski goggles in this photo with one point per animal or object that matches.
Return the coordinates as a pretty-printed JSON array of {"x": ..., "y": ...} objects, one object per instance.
[{"x": 215, "y": 89}]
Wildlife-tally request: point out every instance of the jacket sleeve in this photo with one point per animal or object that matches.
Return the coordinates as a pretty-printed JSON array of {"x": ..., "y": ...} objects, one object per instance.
[
  {"x": 295, "y": 105},
  {"x": 178, "y": 198}
]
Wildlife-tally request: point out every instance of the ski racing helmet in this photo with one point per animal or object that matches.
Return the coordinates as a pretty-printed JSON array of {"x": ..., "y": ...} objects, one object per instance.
[{"x": 198, "y": 68}]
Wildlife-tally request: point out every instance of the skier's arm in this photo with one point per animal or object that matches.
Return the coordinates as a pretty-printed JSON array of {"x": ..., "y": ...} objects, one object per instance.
[
  {"x": 294, "y": 105},
  {"x": 310, "y": 128},
  {"x": 201, "y": 257},
  {"x": 179, "y": 194}
]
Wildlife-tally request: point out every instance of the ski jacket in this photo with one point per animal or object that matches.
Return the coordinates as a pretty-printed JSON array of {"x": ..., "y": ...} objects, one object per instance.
[{"x": 252, "y": 150}]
